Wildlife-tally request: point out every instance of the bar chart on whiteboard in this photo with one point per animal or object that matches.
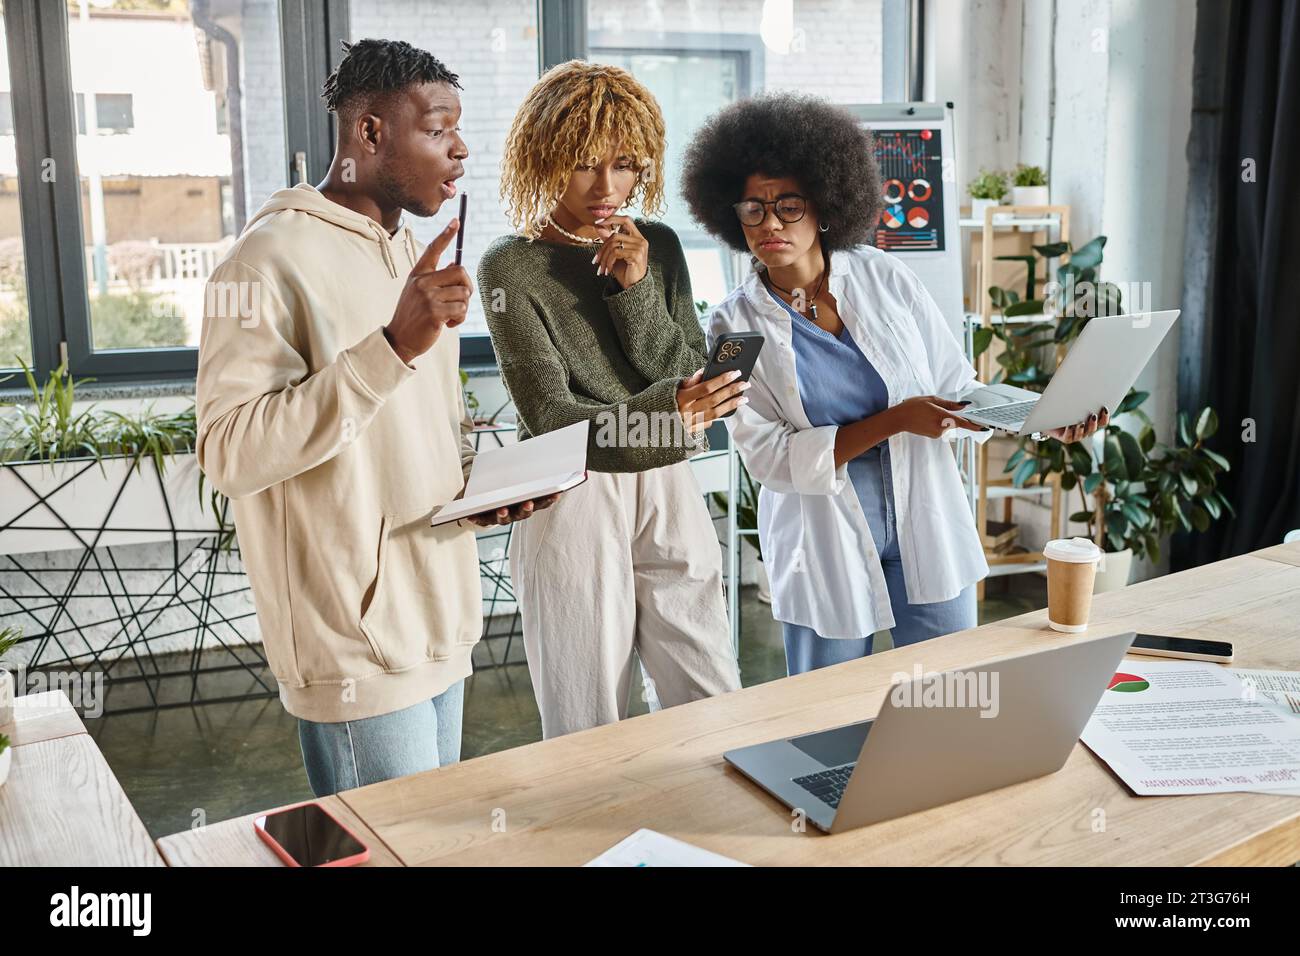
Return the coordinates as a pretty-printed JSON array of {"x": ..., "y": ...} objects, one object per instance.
[{"x": 911, "y": 179}]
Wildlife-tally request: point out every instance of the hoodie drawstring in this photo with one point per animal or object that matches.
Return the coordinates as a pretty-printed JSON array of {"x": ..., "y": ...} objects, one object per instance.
[{"x": 383, "y": 246}]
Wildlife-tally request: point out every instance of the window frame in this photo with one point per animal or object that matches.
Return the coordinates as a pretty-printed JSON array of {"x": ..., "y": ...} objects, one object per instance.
[{"x": 45, "y": 131}]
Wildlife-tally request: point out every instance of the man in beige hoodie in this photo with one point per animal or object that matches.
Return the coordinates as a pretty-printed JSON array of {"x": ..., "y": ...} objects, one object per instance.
[{"x": 331, "y": 413}]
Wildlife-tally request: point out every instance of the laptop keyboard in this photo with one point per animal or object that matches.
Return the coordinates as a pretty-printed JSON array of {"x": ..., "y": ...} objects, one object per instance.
[
  {"x": 1013, "y": 414},
  {"x": 827, "y": 785}
]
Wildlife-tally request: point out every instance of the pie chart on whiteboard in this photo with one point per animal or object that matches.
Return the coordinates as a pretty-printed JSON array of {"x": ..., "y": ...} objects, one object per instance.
[
  {"x": 918, "y": 218},
  {"x": 892, "y": 217}
]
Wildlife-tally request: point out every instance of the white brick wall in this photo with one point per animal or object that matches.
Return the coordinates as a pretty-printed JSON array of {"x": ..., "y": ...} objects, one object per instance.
[
  {"x": 265, "y": 158},
  {"x": 493, "y": 47}
]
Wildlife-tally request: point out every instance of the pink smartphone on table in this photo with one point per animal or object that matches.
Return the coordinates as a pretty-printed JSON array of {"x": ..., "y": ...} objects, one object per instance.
[{"x": 309, "y": 835}]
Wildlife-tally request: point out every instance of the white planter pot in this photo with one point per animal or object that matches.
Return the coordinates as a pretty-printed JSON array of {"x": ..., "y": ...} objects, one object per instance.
[
  {"x": 977, "y": 207},
  {"x": 6, "y": 761},
  {"x": 1029, "y": 195},
  {"x": 1113, "y": 571},
  {"x": 6, "y": 699},
  {"x": 87, "y": 502}
]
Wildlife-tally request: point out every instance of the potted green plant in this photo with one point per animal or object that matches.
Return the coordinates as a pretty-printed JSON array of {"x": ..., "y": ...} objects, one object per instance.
[
  {"x": 8, "y": 638},
  {"x": 1142, "y": 490},
  {"x": 88, "y": 466},
  {"x": 1029, "y": 186},
  {"x": 986, "y": 189},
  {"x": 1034, "y": 325}
]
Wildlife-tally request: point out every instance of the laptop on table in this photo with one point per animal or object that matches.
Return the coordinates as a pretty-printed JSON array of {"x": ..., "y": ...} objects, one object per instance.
[{"x": 986, "y": 732}]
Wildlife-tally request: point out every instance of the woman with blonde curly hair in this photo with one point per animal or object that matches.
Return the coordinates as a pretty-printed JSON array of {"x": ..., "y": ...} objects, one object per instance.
[{"x": 592, "y": 319}]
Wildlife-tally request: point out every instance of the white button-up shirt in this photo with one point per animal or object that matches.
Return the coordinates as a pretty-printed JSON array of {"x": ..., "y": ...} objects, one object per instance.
[{"x": 821, "y": 560}]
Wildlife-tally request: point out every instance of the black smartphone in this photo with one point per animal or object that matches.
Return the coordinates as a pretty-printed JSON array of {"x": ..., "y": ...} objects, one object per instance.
[
  {"x": 734, "y": 350},
  {"x": 1188, "y": 648},
  {"x": 460, "y": 230}
]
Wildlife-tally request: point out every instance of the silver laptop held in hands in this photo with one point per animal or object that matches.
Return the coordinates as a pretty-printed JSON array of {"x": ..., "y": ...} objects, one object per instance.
[
  {"x": 941, "y": 737},
  {"x": 1101, "y": 366}
]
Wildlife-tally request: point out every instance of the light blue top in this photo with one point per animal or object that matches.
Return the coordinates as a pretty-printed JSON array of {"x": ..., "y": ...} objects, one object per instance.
[{"x": 837, "y": 385}]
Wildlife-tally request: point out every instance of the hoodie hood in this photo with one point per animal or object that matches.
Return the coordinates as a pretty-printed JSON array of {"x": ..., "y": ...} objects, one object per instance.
[{"x": 307, "y": 199}]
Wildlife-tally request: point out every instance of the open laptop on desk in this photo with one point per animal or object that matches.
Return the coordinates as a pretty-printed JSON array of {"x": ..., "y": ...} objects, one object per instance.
[
  {"x": 915, "y": 755},
  {"x": 1101, "y": 366}
]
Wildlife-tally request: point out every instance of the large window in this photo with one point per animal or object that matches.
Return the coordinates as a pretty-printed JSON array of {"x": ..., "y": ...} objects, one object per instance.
[
  {"x": 137, "y": 137},
  {"x": 144, "y": 134},
  {"x": 492, "y": 46},
  {"x": 165, "y": 187},
  {"x": 15, "y": 326},
  {"x": 698, "y": 57}
]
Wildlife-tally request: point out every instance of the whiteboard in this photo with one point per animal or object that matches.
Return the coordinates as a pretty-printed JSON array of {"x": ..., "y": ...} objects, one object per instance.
[{"x": 918, "y": 172}]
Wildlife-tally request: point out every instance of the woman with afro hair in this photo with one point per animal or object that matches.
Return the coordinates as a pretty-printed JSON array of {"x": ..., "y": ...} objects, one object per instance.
[
  {"x": 592, "y": 319},
  {"x": 863, "y": 520}
]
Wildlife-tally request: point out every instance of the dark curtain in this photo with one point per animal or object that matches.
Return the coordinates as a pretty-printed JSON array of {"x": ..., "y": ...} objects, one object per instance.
[{"x": 1252, "y": 371}]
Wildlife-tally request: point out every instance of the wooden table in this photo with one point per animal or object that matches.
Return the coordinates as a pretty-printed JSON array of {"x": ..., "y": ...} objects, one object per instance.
[
  {"x": 564, "y": 801},
  {"x": 62, "y": 805}
]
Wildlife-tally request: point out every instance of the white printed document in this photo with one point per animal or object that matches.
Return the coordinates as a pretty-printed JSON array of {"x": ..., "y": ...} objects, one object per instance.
[
  {"x": 543, "y": 465},
  {"x": 1181, "y": 727},
  {"x": 1279, "y": 688},
  {"x": 651, "y": 848}
]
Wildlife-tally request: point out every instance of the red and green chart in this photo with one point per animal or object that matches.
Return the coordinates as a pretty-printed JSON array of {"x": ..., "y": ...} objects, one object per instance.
[{"x": 1128, "y": 683}]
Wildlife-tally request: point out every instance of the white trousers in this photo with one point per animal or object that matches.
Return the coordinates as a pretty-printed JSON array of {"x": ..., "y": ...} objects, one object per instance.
[{"x": 624, "y": 565}]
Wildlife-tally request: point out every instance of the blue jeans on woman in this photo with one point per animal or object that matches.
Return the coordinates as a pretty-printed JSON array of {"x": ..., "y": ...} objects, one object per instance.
[
  {"x": 806, "y": 650},
  {"x": 354, "y": 753}
]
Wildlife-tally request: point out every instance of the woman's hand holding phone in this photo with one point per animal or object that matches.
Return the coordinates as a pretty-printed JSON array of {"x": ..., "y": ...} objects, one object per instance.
[{"x": 700, "y": 401}]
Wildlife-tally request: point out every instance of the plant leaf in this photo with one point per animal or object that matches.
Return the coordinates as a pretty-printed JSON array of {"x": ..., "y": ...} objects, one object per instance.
[
  {"x": 1134, "y": 459},
  {"x": 1131, "y": 401},
  {"x": 1207, "y": 423}
]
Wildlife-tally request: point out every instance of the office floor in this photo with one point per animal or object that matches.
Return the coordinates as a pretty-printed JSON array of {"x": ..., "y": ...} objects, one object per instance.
[{"x": 191, "y": 765}]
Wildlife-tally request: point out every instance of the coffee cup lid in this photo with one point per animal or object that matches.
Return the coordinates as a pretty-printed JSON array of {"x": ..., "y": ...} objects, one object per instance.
[{"x": 1075, "y": 550}]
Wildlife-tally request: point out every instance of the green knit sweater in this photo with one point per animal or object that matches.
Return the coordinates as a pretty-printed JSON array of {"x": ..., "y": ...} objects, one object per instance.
[{"x": 573, "y": 345}]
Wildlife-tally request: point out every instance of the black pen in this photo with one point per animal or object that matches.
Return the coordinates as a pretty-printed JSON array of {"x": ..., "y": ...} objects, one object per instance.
[{"x": 460, "y": 229}]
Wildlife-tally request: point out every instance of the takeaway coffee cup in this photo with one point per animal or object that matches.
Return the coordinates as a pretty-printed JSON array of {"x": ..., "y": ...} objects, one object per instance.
[{"x": 1071, "y": 567}]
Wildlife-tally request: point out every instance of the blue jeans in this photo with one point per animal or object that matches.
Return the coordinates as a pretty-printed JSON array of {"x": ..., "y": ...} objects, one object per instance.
[
  {"x": 353, "y": 753},
  {"x": 806, "y": 650}
]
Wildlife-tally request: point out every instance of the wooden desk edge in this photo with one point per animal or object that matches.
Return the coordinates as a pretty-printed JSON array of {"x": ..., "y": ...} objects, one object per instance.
[
  {"x": 36, "y": 721},
  {"x": 1276, "y": 846},
  {"x": 179, "y": 849}
]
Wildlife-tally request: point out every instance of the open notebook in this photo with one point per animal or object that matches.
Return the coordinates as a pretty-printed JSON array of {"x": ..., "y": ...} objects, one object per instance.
[{"x": 543, "y": 465}]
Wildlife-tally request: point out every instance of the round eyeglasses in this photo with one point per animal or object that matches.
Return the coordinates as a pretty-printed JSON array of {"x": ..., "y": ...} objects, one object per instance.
[{"x": 752, "y": 212}]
